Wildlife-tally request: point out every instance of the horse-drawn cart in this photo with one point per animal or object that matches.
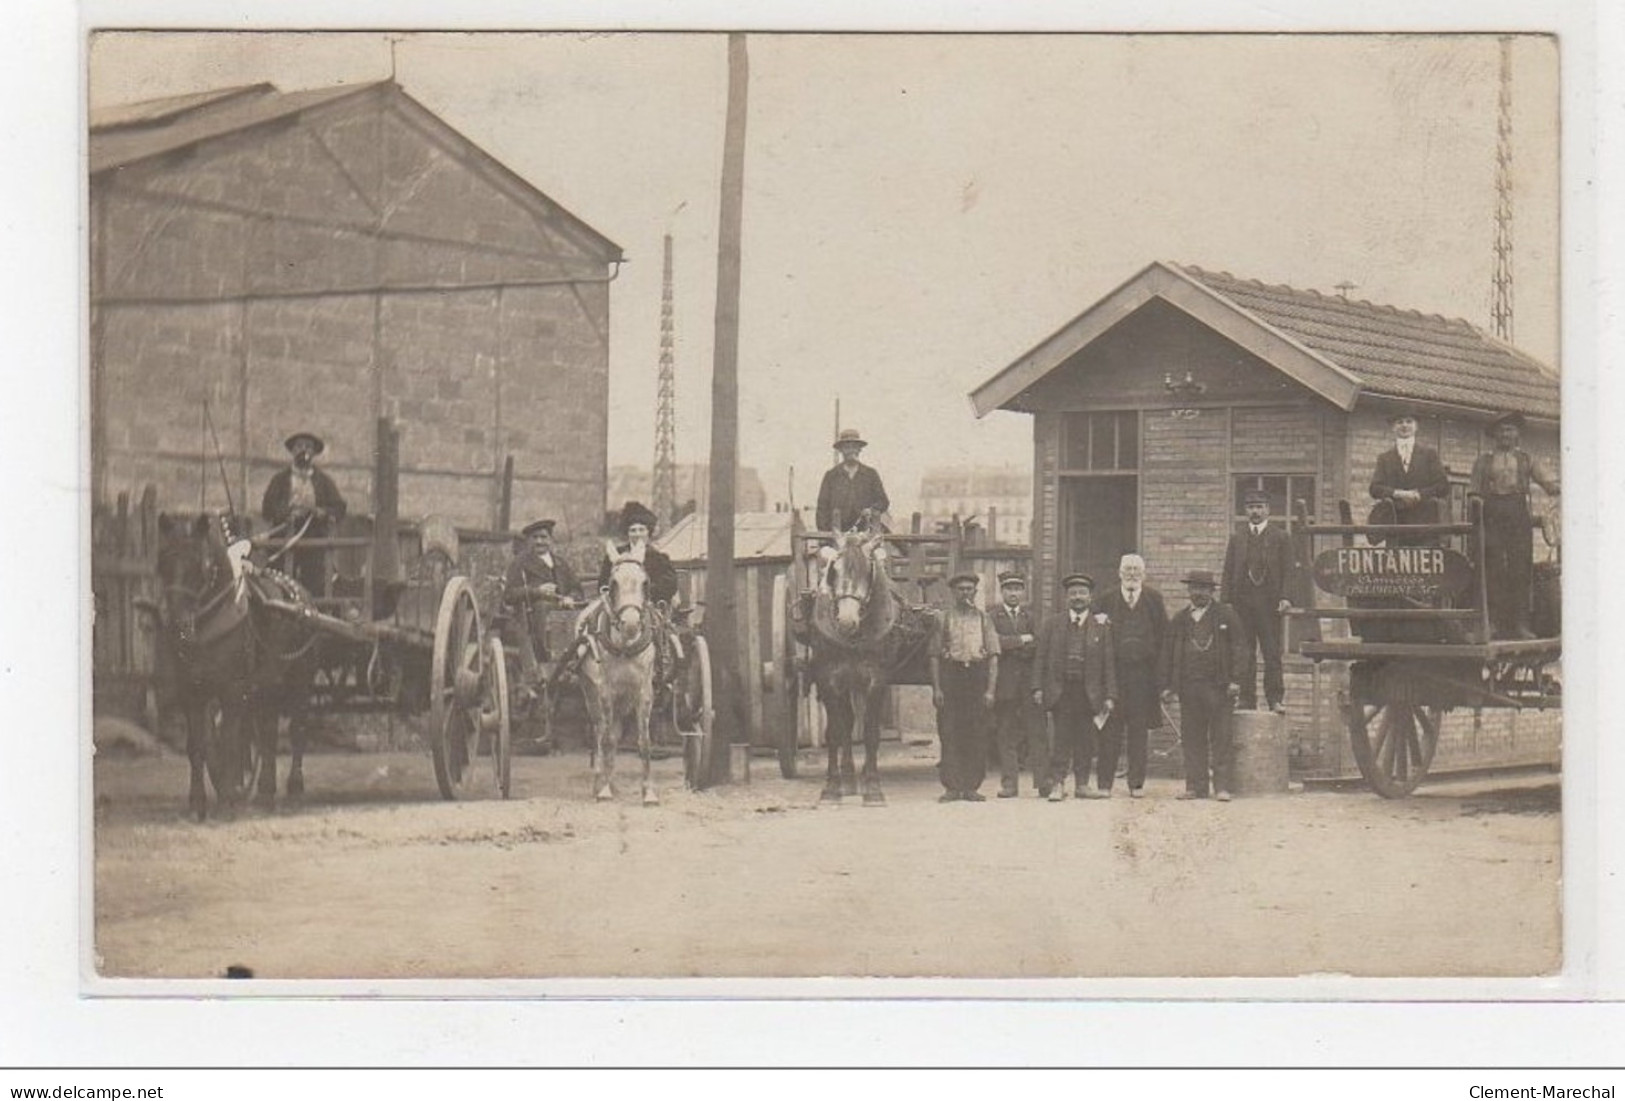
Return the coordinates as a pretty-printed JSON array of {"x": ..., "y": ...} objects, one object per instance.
[
  {"x": 1418, "y": 639},
  {"x": 412, "y": 644}
]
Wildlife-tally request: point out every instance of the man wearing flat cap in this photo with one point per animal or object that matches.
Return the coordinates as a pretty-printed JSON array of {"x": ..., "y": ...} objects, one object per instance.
[
  {"x": 964, "y": 684},
  {"x": 851, "y": 493},
  {"x": 1015, "y": 727},
  {"x": 1409, "y": 483},
  {"x": 1501, "y": 479},
  {"x": 302, "y": 501},
  {"x": 1257, "y": 562},
  {"x": 1203, "y": 657},
  {"x": 536, "y": 579},
  {"x": 1075, "y": 679}
]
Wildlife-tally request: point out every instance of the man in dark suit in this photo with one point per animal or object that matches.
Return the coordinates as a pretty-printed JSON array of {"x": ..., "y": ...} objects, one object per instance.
[
  {"x": 1412, "y": 478},
  {"x": 1139, "y": 620},
  {"x": 851, "y": 491},
  {"x": 1014, "y": 722},
  {"x": 1202, "y": 657},
  {"x": 1501, "y": 479},
  {"x": 1075, "y": 678},
  {"x": 1256, "y": 564},
  {"x": 536, "y": 579},
  {"x": 301, "y": 500}
]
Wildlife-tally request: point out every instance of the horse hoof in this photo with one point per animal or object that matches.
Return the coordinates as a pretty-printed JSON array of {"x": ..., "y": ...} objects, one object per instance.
[
  {"x": 605, "y": 795},
  {"x": 849, "y": 787},
  {"x": 296, "y": 787},
  {"x": 874, "y": 799},
  {"x": 650, "y": 799},
  {"x": 831, "y": 795}
]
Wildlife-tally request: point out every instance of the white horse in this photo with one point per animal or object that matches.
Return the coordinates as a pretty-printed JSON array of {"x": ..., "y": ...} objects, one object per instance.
[{"x": 619, "y": 669}]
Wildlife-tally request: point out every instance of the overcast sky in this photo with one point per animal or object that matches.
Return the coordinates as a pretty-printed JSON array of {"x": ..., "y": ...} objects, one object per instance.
[{"x": 920, "y": 210}]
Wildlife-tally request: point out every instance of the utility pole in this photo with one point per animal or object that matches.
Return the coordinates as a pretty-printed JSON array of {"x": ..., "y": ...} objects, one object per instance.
[
  {"x": 721, "y": 619},
  {"x": 1501, "y": 282},
  {"x": 665, "y": 472}
]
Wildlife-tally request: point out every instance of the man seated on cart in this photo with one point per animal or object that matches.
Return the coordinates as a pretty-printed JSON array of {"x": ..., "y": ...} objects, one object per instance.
[
  {"x": 301, "y": 502},
  {"x": 537, "y": 579},
  {"x": 850, "y": 498},
  {"x": 636, "y": 529}
]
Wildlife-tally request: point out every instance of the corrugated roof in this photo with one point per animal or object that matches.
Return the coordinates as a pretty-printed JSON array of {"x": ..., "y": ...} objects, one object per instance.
[
  {"x": 1398, "y": 353},
  {"x": 756, "y": 535},
  {"x": 150, "y": 131}
]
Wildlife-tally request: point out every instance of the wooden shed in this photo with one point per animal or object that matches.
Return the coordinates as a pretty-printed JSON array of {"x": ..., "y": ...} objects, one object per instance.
[
  {"x": 319, "y": 260},
  {"x": 1157, "y": 407}
]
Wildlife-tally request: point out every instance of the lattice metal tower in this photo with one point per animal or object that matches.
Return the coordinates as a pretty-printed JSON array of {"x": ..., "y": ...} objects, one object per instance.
[
  {"x": 665, "y": 472},
  {"x": 1501, "y": 298}
]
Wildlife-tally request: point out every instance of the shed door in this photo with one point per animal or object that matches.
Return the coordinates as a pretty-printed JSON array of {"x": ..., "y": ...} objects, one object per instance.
[{"x": 1099, "y": 524}]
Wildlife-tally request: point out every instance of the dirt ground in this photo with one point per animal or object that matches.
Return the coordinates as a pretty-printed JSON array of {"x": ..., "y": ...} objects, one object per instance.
[{"x": 375, "y": 877}]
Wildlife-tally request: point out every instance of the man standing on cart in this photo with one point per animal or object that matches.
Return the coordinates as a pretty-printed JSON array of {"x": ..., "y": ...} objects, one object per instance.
[
  {"x": 1501, "y": 479},
  {"x": 536, "y": 579}
]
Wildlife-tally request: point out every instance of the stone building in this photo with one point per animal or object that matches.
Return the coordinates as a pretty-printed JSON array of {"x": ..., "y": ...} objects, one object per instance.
[
  {"x": 321, "y": 259},
  {"x": 998, "y": 498},
  {"x": 1158, "y": 406}
]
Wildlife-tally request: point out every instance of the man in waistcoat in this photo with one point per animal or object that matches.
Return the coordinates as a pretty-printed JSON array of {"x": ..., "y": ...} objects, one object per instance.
[
  {"x": 1014, "y": 723},
  {"x": 1256, "y": 564},
  {"x": 1202, "y": 657},
  {"x": 964, "y": 683},
  {"x": 301, "y": 500},
  {"x": 1075, "y": 679},
  {"x": 1138, "y": 620},
  {"x": 1501, "y": 479}
]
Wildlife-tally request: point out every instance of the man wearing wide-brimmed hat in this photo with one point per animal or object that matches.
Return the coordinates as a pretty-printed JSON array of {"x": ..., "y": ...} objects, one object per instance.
[
  {"x": 851, "y": 494},
  {"x": 964, "y": 684},
  {"x": 302, "y": 501},
  {"x": 1410, "y": 481},
  {"x": 1501, "y": 479},
  {"x": 1202, "y": 661}
]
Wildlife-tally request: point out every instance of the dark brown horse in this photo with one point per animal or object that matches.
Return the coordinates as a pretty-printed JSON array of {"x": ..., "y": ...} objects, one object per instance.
[
  {"x": 854, "y": 649},
  {"x": 234, "y": 664}
]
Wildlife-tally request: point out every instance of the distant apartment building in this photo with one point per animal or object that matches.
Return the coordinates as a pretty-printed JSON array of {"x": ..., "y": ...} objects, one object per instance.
[
  {"x": 636, "y": 483},
  {"x": 999, "y": 499}
]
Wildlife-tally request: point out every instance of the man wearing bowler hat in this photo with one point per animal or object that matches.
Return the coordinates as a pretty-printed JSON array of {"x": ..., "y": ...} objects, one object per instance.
[
  {"x": 851, "y": 492},
  {"x": 1014, "y": 724},
  {"x": 536, "y": 579},
  {"x": 1409, "y": 483},
  {"x": 1256, "y": 564},
  {"x": 964, "y": 683},
  {"x": 1501, "y": 479},
  {"x": 1075, "y": 679},
  {"x": 1203, "y": 657},
  {"x": 302, "y": 501}
]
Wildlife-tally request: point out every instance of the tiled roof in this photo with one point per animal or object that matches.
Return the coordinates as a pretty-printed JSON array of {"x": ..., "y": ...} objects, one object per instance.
[{"x": 1394, "y": 352}]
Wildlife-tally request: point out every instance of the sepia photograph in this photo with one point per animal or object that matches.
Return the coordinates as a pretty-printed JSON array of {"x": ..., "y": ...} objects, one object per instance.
[{"x": 761, "y": 505}]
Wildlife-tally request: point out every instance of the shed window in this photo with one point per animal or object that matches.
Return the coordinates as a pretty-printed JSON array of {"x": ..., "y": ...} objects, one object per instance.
[
  {"x": 1102, "y": 442},
  {"x": 1282, "y": 489}
]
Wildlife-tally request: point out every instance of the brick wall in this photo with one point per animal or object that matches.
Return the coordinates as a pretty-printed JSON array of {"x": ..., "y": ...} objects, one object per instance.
[
  {"x": 1184, "y": 496},
  {"x": 364, "y": 193}
]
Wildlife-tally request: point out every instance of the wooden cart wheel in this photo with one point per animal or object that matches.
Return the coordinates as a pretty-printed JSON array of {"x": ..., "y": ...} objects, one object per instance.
[
  {"x": 495, "y": 716},
  {"x": 455, "y": 685},
  {"x": 699, "y": 743},
  {"x": 1393, "y": 744}
]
